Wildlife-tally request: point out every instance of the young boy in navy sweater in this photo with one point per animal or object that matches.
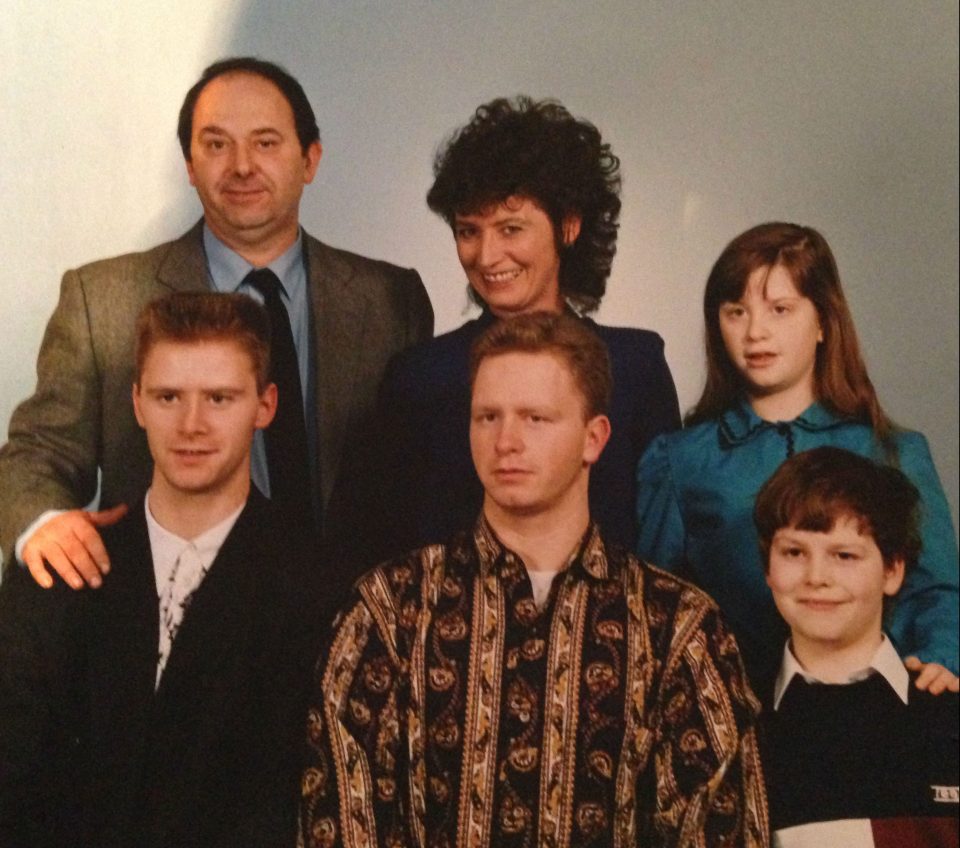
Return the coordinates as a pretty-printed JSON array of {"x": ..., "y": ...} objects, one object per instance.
[{"x": 855, "y": 755}]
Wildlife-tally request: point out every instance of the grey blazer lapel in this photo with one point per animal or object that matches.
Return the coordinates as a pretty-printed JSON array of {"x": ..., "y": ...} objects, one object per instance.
[
  {"x": 184, "y": 268},
  {"x": 339, "y": 310}
]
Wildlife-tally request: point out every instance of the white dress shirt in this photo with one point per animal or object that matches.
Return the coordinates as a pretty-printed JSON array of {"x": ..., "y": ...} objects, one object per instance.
[
  {"x": 886, "y": 662},
  {"x": 179, "y": 566}
]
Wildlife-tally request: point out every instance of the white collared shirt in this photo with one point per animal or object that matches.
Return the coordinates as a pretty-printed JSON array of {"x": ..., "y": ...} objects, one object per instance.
[
  {"x": 167, "y": 549},
  {"x": 886, "y": 662}
]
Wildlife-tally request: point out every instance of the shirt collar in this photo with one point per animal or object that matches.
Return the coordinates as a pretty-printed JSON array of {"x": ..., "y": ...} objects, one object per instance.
[
  {"x": 207, "y": 544},
  {"x": 228, "y": 268},
  {"x": 886, "y": 662},
  {"x": 588, "y": 556},
  {"x": 740, "y": 423}
]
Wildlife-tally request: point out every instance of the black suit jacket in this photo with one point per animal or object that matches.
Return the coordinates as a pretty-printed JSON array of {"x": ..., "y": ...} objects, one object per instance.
[{"x": 92, "y": 755}]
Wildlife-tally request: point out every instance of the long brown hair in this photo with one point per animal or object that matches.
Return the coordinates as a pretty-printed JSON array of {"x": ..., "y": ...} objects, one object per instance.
[{"x": 840, "y": 376}]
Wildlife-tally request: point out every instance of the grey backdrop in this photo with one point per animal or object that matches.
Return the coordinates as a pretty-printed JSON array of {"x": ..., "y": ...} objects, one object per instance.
[{"x": 841, "y": 115}]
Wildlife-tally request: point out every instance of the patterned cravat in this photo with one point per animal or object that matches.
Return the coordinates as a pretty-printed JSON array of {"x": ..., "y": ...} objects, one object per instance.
[
  {"x": 288, "y": 459},
  {"x": 185, "y": 577}
]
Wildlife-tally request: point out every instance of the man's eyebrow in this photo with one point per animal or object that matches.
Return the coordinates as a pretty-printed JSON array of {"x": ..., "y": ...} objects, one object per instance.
[
  {"x": 212, "y": 128},
  {"x": 207, "y": 390},
  {"x": 790, "y": 535},
  {"x": 527, "y": 409}
]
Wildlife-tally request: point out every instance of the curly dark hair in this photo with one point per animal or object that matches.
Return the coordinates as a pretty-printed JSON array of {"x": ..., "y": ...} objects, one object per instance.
[{"x": 538, "y": 150}]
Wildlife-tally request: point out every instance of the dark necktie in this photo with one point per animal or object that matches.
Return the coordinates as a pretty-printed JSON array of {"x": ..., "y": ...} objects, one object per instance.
[{"x": 288, "y": 459}]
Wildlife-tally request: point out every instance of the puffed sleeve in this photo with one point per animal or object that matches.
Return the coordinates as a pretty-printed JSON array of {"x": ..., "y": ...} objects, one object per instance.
[
  {"x": 925, "y": 618},
  {"x": 661, "y": 538}
]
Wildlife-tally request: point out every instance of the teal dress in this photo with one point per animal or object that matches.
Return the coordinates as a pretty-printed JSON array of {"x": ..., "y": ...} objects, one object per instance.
[{"x": 696, "y": 489}]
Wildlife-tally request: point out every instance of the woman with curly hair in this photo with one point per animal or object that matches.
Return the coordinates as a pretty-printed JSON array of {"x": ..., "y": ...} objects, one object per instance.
[
  {"x": 532, "y": 196},
  {"x": 784, "y": 375}
]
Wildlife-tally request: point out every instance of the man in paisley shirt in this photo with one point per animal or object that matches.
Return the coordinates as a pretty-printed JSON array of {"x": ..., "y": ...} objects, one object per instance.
[{"x": 525, "y": 683}]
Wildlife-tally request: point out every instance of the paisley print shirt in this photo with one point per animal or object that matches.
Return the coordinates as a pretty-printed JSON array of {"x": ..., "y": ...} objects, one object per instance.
[{"x": 451, "y": 712}]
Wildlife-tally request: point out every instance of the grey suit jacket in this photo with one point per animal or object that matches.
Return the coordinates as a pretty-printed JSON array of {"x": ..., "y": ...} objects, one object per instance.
[{"x": 80, "y": 419}]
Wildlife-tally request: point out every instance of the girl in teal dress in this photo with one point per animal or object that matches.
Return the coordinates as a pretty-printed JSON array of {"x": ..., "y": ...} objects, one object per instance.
[{"x": 785, "y": 374}]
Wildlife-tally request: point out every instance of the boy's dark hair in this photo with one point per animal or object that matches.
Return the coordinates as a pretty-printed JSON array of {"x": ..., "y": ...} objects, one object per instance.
[
  {"x": 539, "y": 151},
  {"x": 811, "y": 490},
  {"x": 188, "y": 317},
  {"x": 303, "y": 118},
  {"x": 580, "y": 349}
]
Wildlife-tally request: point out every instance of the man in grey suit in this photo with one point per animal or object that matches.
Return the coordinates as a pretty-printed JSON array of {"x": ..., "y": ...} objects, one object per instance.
[{"x": 251, "y": 144}]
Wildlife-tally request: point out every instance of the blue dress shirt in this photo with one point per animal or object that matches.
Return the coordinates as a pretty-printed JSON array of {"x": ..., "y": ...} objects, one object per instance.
[
  {"x": 227, "y": 272},
  {"x": 695, "y": 507}
]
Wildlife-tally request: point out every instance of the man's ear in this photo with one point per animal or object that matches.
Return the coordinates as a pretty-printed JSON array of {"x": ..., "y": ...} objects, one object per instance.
[
  {"x": 312, "y": 160},
  {"x": 596, "y": 438},
  {"x": 570, "y": 229},
  {"x": 135, "y": 394},
  {"x": 893, "y": 576},
  {"x": 267, "y": 406}
]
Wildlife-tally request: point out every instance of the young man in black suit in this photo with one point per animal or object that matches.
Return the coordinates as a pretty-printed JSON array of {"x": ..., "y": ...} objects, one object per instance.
[{"x": 163, "y": 709}]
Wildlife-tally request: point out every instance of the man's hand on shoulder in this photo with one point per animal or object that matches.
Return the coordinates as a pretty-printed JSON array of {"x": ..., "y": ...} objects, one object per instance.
[
  {"x": 933, "y": 677},
  {"x": 70, "y": 544}
]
